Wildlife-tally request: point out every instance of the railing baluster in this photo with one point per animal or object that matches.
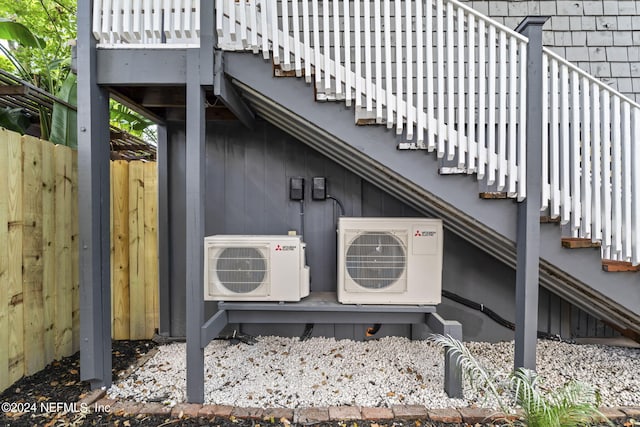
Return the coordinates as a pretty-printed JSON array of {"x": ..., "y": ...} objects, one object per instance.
[
  {"x": 242, "y": 17},
  {"x": 546, "y": 106},
  {"x": 635, "y": 171},
  {"x": 491, "y": 93},
  {"x": 148, "y": 17},
  {"x": 576, "y": 209},
  {"x": 388, "y": 70},
  {"x": 219, "y": 18},
  {"x": 337, "y": 29},
  {"x": 137, "y": 20},
  {"x": 472, "y": 145},
  {"x": 408, "y": 48},
  {"x": 502, "y": 112},
  {"x": 264, "y": 24},
  {"x": 127, "y": 30},
  {"x": 286, "y": 48},
  {"x": 107, "y": 17},
  {"x": 586, "y": 160},
  {"x": 430, "y": 96},
  {"x": 295, "y": 16},
  {"x": 358, "y": 54},
  {"x": 326, "y": 47},
  {"x": 307, "y": 41},
  {"x": 317, "y": 68},
  {"x": 232, "y": 21},
  {"x": 451, "y": 137},
  {"x": 98, "y": 17},
  {"x": 196, "y": 19},
  {"x": 253, "y": 21},
  {"x": 399, "y": 83},
  {"x": 187, "y": 26},
  {"x": 596, "y": 164},
  {"x": 522, "y": 123},
  {"x": 482, "y": 97},
  {"x": 420, "y": 125},
  {"x": 378, "y": 60},
  {"x": 177, "y": 18},
  {"x": 462, "y": 104},
  {"x": 367, "y": 56},
  {"x": 627, "y": 192},
  {"x": 605, "y": 159},
  {"x": 554, "y": 147},
  {"x": 167, "y": 18},
  {"x": 512, "y": 151},
  {"x": 272, "y": 9},
  {"x": 565, "y": 164},
  {"x": 440, "y": 77},
  {"x": 116, "y": 24},
  {"x": 347, "y": 53},
  {"x": 616, "y": 171}
]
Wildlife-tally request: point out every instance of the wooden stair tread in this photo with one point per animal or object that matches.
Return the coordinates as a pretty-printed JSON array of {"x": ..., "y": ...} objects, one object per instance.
[
  {"x": 579, "y": 242},
  {"x": 617, "y": 266}
]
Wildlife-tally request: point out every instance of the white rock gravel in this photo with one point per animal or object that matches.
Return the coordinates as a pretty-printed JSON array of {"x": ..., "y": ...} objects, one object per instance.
[{"x": 285, "y": 372}]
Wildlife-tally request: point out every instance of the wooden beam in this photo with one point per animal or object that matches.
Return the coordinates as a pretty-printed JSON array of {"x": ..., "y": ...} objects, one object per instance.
[{"x": 14, "y": 90}]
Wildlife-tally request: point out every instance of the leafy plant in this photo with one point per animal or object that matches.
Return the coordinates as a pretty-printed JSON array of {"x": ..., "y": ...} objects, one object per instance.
[{"x": 574, "y": 404}]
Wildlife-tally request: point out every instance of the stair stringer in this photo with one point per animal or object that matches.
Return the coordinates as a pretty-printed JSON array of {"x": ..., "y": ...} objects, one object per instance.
[{"x": 413, "y": 178}]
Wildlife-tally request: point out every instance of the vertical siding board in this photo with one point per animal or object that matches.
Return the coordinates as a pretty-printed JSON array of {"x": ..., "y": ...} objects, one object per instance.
[
  {"x": 120, "y": 242},
  {"x": 14, "y": 270},
  {"x": 137, "y": 306},
  {"x": 150, "y": 248},
  {"x": 4, "y": 262},
  {"x": 32, "y": 255},
  {"x": 48, "y": 249},
  {"x": 64, "y": 304}
]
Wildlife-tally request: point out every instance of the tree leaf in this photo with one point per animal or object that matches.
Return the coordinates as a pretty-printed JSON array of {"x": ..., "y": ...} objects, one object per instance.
[
  {"x": 14, "y": 31},
  {"x": 64, "y": 119}
]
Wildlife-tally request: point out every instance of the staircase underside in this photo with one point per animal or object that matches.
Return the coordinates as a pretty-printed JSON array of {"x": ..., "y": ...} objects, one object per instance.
[{"x": 413, "y": 178}]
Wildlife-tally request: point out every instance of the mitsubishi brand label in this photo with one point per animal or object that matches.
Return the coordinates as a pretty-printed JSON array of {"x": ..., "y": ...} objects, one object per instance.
[{"x": 285, "y": 248}]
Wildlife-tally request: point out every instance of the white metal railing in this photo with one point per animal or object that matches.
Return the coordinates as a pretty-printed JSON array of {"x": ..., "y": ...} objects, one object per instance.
[
  {"x": 146, "y": 21},
  {"x": 591, "y": 155},
  {"x": 470, "y": 114},
  {"x": 463, "y": 94}
]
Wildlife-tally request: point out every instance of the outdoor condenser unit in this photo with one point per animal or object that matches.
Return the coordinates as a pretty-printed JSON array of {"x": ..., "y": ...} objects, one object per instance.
[
  {"x": 389, "y": 261},
  {"x": 255, "y": 268}
]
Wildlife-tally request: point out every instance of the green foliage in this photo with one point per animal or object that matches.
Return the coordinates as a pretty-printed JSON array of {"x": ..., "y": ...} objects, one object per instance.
[
  {"x": 14, "y": 119},
  {"x": 64, "y": 120},
  {"x": 574, "y": 404}
]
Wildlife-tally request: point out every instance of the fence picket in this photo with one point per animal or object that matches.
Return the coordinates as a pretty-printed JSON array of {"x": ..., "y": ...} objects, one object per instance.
[
  {"x": 5, "y": 320},
  {"x": 32, "y": 255}
]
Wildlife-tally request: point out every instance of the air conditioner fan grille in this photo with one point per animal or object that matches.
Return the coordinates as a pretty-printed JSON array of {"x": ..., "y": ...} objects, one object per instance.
[
  {"x": 241, "y": 270},
  {"x": 376, "y": 260}
]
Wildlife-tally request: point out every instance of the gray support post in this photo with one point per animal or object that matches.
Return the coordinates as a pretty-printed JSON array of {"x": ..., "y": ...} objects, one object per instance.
[
  {"x": 164, "y": 282},
  {"x": 452, "y": 372},
  {"x": 93, "y": 209},
  {"x": 528, "y": 228},
  {"x": 195, "y": 158},
  {"x": 199, "y": 75}
]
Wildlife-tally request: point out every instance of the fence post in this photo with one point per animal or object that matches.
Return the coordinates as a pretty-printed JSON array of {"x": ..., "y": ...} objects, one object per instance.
[{"x": 528, "y": 225}]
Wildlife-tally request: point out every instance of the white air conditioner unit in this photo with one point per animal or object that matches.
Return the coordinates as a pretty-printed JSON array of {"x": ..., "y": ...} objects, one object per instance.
[
  {"x": 255, "y": 268},
  {"x": 389, "y": 261}
]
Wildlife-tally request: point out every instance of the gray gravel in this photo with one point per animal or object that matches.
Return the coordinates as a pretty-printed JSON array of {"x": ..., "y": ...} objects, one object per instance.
[{"x": 285, "y": 372}]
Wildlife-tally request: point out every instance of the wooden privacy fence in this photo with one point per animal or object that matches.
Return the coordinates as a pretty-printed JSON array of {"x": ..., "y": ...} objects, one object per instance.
[
  {"x": 134, "y": 249},
  {"x": 39, "y": 298},
  {"x": 39, "y": 276}
]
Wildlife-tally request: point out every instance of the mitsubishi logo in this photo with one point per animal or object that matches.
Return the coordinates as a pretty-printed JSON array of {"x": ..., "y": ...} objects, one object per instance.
[
  {"x": 278, "y": 248},
  {"x": 418, "y": 234}
]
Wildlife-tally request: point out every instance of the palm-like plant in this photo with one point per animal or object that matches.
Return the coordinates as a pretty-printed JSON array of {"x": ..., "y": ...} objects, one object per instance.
[{"x": 574, "y": 404}]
